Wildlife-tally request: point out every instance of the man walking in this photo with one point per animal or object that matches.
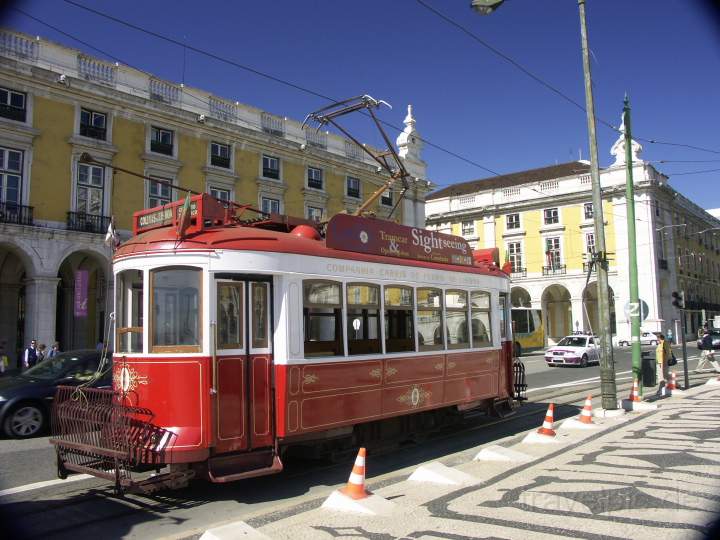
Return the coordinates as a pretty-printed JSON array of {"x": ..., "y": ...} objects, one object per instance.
[
  {"x": 30, "y": 357},
  {"x": 707, "y": 356}
]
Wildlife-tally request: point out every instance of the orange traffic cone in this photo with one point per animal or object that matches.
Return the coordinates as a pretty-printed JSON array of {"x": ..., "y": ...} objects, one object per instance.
[
  {"x": 547, "y": 427},
  {"x": 355, "y": 488},
  {"x": 672, "y": 384},
  {"x": 586, "y": 413},
  {"x": 635, "y": 395}
]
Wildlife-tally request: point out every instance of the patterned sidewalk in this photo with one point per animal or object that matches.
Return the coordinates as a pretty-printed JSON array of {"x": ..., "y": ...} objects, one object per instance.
[{"x": 644, "y": 475}]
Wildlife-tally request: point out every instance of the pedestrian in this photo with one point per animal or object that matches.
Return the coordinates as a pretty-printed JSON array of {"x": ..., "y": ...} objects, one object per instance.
[
  {"x": 41, "y": 352},
  {"x": 662, "y": 358},
  {"x": 4, "y": 360},
  {"x": 54, "y": 350},
  {"x": 30, "y": 356},
  {"x": 707, "y": 356}
]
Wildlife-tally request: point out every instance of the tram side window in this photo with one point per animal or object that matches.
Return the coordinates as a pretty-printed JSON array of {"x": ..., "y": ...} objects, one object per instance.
[
  {"x": 429, "y": 319},
  {"x": 363, "y": 318},
  {"x": 399, "y": 319},
  {"x": 480, "y": 315},
  {"x": 322, "y": 318},
  {"x": 503, "y": 315},
  {"x": 129, "y": 306},
  {"x": 456, "y": 305},
  {"x": 259, "y": 295},
  {"x": 230, "y": 315},
  {"x": 176, "y": 309}
]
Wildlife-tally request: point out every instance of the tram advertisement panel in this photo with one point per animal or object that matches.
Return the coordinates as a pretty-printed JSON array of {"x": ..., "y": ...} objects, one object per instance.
[{"x": 380, "y": 237}]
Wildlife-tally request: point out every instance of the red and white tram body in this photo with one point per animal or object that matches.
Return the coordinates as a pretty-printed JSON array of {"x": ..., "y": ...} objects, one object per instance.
[{"x": 241, "y": 340}]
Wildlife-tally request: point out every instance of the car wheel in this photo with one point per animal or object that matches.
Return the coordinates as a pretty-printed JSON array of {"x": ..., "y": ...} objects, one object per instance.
[
  {"x": 653, "y": 343},
  {"x": 624, "y": 343},
  {"x": 584, "y": 361},
  {"x": 24, "y": 420},
  {"x": 518, "y": 350}
]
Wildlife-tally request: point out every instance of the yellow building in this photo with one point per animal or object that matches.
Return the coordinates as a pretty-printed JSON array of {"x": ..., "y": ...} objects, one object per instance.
[
  {"x": 57, "y": 103},
  {"x": 542, "y": 222}
]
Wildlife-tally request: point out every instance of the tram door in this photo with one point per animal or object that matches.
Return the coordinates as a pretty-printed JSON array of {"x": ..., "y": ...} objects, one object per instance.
[{"x": 243, "y": 364}]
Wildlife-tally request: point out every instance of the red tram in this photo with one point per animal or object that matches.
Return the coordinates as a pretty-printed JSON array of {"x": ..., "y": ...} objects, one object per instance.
[{"x": 238, "y": 339}]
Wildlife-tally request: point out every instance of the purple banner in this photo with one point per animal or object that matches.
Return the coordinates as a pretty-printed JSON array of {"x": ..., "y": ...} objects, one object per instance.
[{"x": 81, "y": 293}]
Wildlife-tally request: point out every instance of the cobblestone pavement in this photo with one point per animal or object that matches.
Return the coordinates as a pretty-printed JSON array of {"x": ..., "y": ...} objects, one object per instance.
[{"x": 654, "y": 474}]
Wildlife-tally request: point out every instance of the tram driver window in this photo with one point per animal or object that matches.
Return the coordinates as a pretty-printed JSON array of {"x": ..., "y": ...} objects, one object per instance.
[
  {"x": 322, "y": 318},
  {"x": 399, "y": 319},
  {"x": 480, "y": 317},
  {"x": 456, "y": 304},
  {"x": 429, "y": 319},
  {"x": 176, "y": 310},
  {"x": 129, "y": 305},
  {"x": 363, "y": 318}
]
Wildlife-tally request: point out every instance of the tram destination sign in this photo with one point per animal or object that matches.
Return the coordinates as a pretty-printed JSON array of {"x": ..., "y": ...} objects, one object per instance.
[
  {"x": 380, "y": 237},
  {"x": 151, "y": 219}
]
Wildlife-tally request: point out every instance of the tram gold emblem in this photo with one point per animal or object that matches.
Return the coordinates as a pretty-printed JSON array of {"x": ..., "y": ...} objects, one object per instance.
[
  {"x": 363, "y": 237},
  {"x": 451, "y": 365},
  {"x": 438, "y": 366},
  {"x": 310, "y": 378},
  {"x": 389, "y": 372},
  {"x": 414, "y": 397},
  {"x": 127, "y": 379},
  {"x": 376, "y": 373}
]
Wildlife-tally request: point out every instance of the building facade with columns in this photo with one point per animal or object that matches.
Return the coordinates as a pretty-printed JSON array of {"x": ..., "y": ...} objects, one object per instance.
[
  {"x": 542, "y": 222},
  {"x": 57, "y": 103}
]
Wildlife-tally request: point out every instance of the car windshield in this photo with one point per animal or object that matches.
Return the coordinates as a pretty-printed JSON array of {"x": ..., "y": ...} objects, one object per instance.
[
  {"x": 573, "y": 341},
  {"x": 64, "y": 365}
]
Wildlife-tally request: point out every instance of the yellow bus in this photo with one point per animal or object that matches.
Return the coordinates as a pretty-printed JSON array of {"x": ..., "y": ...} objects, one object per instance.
[{"x": 528, "y": 330}]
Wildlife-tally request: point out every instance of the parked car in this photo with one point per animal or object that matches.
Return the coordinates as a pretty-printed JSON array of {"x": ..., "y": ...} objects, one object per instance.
[
  {"x": 577, "y": 350},
  {"x": 715, "y": 336},
  {"x": 25, "y": 399},
  {"x": 646, "y": 338}
]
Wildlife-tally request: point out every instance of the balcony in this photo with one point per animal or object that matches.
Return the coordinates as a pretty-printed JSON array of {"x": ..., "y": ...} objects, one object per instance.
[
  {"x": 161, "y": 148},
  {"x": 220, "y": 161},
  {"x": 662, "y": 263},
  {"x": 80, "y": 221},
  {"x": 586, "y": 267},
  {"x": 16, "y": 213},
  {"x": 557, "y": 270},
  {"x": 518, "y": 273},
  {"x": 13, "y": 113},
  {"x": 93, "y": 132}
]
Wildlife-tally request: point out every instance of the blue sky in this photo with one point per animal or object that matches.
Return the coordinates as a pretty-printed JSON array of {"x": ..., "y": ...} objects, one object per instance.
[{"x": 664, "y": 53}]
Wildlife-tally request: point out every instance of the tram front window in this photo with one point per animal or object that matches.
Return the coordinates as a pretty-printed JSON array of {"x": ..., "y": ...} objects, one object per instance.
[
  {"x": 322, "y": 318},
  {"x": 363, "y": 318},
  {"x": 129, "y": 306},
  {"x": 399, "y": 319},
  {"x": 175, "y": 310}
]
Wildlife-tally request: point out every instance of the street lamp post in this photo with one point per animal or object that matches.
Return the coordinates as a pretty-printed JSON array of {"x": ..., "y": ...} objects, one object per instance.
[{"x": 607, "y": 363}]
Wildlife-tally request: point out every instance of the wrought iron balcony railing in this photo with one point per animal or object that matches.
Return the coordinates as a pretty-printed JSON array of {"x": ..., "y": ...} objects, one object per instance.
[
  {"x": 220, "y": 161},
  {"x": 13, "y": 113},
  {"x": 80, "y": 221},
  {"x": 519, "y": 273},
  {"x": 558, "y": 269},
  {"x": 161, "y": 148},
  {"x": 93, "y": 132},
  {"x": 16, "y": 213},
  {"x": 586, "y": 266}
]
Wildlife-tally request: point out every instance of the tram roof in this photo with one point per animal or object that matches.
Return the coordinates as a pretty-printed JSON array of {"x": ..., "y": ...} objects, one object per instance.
[{"x": 301, "y": 238}]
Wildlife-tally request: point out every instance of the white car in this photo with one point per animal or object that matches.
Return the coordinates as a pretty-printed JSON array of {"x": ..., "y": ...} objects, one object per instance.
[
  {"x": 646, "y": 338},
  {"x": 577, "y": 350}
]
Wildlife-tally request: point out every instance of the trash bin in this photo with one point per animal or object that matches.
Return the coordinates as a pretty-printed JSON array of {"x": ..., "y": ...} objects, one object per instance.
[{"x": 648, "y": 367}]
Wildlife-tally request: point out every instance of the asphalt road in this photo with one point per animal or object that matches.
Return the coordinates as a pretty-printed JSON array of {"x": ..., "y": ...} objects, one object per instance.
[{"x": 541, "y": 377}]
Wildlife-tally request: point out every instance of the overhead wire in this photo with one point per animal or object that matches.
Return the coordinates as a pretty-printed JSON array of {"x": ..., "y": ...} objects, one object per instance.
[
  {"x": 546, "y": 84},
  {"x": 259, "y": 73}
]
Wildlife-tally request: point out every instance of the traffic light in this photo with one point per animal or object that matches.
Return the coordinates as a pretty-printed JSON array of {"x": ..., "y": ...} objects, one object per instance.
[{"x": 678, "y": 299}]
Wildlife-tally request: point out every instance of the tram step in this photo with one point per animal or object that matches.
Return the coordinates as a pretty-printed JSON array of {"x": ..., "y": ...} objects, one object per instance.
[{"x": 233, "y": 467}]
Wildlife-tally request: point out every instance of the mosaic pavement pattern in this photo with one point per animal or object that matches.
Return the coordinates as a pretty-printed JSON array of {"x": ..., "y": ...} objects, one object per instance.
[{"x": 649, "y": 475}]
